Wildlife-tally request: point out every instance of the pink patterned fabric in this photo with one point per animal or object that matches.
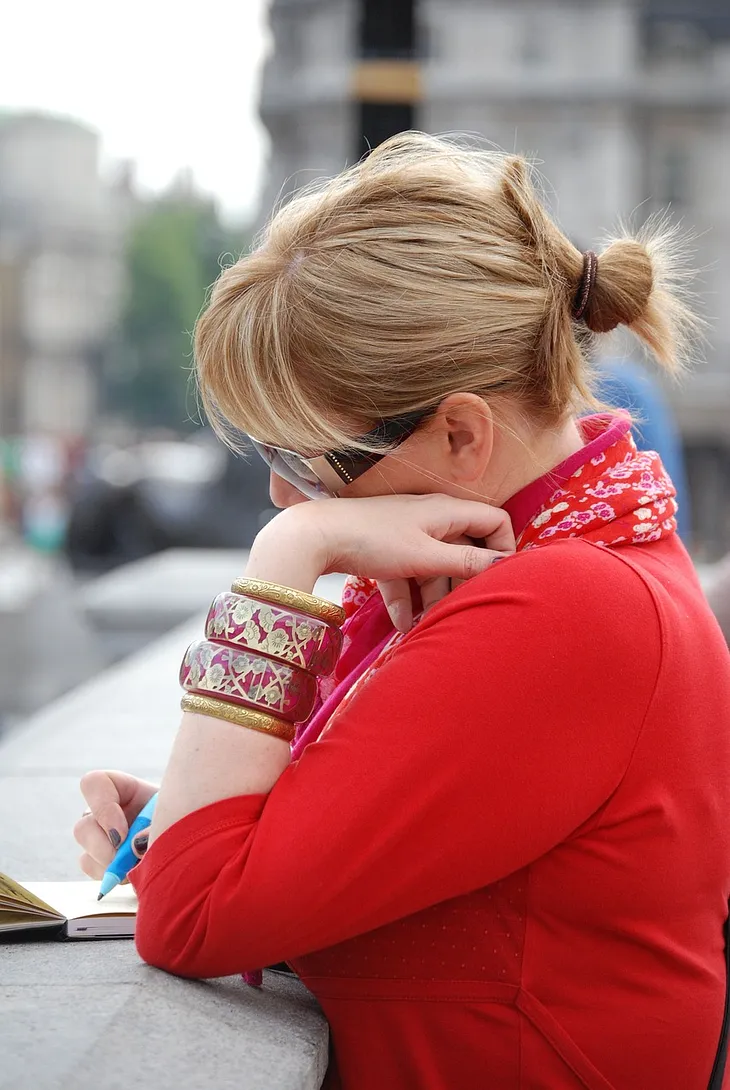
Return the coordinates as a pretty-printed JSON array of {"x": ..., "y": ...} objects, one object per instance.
[
  {"x": 617, "y": 497},
  {"x": 600, "y": 432},
  {"x": 243, "y": 677},
  {"x": 282, "y": 634}
]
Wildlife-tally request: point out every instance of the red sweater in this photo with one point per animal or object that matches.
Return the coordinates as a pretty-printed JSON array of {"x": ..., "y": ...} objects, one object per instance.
[{"x": 507, "y": 863}]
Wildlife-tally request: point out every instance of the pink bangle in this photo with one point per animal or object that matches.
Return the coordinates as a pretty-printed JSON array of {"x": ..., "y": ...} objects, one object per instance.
[
  {"x": 243, "y": 677},
  {"x": 283, "y": 634}
]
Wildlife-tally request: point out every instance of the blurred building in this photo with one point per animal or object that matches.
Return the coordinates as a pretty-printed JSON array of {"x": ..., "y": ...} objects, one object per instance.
[
  {"x": 61, "y": 234},
  {"x": 625, "y": 104}
]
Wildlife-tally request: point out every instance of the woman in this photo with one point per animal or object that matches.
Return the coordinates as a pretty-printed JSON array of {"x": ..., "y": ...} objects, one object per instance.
[{"x": 500, "y": 854}]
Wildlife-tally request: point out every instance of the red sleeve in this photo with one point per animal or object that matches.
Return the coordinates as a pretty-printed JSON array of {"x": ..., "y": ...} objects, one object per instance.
[{"x": 499, "y": 726}]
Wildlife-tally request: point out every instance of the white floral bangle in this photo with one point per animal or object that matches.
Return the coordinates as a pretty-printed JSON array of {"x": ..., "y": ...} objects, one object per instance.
[
  {"x": 284, "y": 634},
  {"x": 246, "y": 678}
]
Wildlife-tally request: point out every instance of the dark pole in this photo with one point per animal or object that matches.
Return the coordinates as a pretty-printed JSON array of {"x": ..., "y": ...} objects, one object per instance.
[{"x": 387, "y": 71}]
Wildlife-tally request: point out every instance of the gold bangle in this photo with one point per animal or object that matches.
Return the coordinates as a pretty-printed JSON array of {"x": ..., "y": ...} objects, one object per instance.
[
  {"x": 234, "y": 713},
  {"x": 291, "y": 599}
]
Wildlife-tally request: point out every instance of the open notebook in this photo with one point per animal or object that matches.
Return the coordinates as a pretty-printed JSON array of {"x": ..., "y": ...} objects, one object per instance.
[{"x": 71, "y": 907}]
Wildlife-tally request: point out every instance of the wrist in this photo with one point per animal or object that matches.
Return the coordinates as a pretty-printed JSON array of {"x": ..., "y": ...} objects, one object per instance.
[{"x": 289, "y": 550}]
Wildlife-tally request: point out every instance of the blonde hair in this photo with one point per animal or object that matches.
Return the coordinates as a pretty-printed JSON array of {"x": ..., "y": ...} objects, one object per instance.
[{"x": 426, "y": 269}]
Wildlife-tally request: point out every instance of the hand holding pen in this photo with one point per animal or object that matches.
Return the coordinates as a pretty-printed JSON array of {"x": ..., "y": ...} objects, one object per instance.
[
  {"x": 130, "y": 852},
  {"x": 109, "y": 831}
]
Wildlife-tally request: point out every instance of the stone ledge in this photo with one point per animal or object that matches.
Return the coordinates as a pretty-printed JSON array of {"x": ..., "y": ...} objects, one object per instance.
[{"x": 90, "y": 1015}]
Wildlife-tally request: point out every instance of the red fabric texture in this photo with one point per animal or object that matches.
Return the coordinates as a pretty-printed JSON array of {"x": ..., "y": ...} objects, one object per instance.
[{"x": 506, "y": 862}]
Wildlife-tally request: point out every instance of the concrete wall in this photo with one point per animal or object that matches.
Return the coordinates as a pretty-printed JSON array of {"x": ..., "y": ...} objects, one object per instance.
[
  {"x": 514, "y": 46},
  {"x": 305, "y": 94},
  {"x": 48, "y": 170}
]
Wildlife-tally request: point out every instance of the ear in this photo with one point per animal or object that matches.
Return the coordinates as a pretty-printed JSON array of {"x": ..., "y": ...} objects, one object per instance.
[{"x": 469, "y": 427}]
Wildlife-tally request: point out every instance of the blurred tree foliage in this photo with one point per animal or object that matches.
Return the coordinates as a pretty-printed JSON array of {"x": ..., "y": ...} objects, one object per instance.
[{"x": 174, "y": 254}]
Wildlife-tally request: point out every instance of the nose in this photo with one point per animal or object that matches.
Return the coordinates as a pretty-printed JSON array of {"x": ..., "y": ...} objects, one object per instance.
[{"x": 282, "y": 493}]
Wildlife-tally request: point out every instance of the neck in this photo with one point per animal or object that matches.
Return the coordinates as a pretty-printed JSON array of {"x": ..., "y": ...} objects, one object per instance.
[{"x": 519, "y": 458}]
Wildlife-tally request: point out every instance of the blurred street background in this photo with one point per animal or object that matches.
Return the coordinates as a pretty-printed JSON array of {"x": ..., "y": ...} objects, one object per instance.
[{"x": 140, "y": 149}]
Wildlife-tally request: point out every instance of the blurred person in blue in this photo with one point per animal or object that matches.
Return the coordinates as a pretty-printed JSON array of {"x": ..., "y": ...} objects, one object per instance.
[
  {"x": 625, "y": 384},
  {"x": 718, "y": 594}
]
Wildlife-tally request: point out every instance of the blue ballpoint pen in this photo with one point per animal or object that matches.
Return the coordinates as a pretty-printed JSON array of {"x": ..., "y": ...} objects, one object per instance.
[{"x": 125, "y": 858}]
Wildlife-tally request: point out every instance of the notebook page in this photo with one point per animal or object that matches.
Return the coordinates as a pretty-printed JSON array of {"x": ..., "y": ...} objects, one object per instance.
[
  {"x": 15, "y": 896},
  {"x": 77, "y": 900}
]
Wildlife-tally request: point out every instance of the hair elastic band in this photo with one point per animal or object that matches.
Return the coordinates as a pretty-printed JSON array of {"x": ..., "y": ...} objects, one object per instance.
[{"x": 587, "y": 280}]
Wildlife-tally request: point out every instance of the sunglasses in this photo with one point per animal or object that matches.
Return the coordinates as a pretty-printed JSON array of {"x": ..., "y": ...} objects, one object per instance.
[{"x": 324, "y": 476}]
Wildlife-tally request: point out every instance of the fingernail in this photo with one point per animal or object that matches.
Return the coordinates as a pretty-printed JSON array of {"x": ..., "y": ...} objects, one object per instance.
[
  {"x": 114, "y": 838},
  {"x": 140, "y": 842}
]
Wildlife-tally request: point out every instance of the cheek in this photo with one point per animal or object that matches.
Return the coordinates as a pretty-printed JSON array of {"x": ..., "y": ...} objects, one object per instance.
[{"x": 284, "y": 494}]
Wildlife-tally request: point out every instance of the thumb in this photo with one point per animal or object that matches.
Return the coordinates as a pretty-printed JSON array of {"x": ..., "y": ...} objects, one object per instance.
[{"x": 140, "y": 843}]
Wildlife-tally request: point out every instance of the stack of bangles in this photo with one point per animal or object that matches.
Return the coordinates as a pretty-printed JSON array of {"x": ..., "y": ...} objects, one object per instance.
[{"x": 265, "y": 647}]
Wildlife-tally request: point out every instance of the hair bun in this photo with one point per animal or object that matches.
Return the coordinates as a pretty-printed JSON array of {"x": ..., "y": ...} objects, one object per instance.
[{"x": 623, "y": 286}]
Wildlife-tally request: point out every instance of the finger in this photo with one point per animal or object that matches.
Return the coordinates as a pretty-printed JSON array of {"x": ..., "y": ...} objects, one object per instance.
[
  {"x": 94, "y": 840},
  {"x": 436, "y": 588},
  {"x": 396, "y": 594},
  {"x": 90, "y": 867},
  {"x": 455, "y": 582},
  {"x": 94, "y": 870},
  {"x": 140, "y": 843},
  {"x": 112, "y": 789},
  {"x": 433, "y": 590},
  {"x": 503, "y": 539},
  {"x": 455, "y": 517},
  {"x": 461, "y": 562},
  {"x": 103, "y": 795}
]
